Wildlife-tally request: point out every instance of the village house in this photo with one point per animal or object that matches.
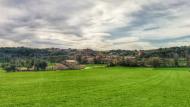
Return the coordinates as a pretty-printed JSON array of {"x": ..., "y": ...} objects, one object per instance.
[
  {"x": 60, "y": 67},
  {"x": 72, "y": 64},
  {"x": 129, "y": 57},
  {"x": 68, "y": 64}
]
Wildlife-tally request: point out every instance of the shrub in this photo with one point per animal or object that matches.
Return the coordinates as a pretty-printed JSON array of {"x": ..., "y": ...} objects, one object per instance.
[
  {"x": 188, "y": 62},
  {"x": 154, "y": 61},
  {"x": 130, "y": 63},
  {"x": 111, "y": 63},
  {"x": 40, "y": 65},
  {"x": 9, "y": 67},
  {"x": 168, "y": 63}
]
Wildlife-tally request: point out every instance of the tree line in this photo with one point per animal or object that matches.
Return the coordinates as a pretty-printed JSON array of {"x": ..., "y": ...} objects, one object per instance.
[
  {"x": 13, "y": 59},
  {"x": 150, "y": 62},
  {"x": 29, "y": 64}
]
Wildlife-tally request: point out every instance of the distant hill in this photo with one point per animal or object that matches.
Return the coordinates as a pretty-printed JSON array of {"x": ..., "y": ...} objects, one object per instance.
[{"x": 54, "y": 54}]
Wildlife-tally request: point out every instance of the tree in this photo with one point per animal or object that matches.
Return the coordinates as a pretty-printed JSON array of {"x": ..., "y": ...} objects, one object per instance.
[
  {"x": 9, "y": 67},
  {"x": 40, "y": 65},
  {"x": 187, "y": 57},
  {"x": 79, "y": 58},
  {"x": 29, "y": 64},
  {"x": 112, "y": 62},
  {"x": 154, "y": 61},
  {"x": 176, "y": 57},
  {"x": 131, "y": 62}
]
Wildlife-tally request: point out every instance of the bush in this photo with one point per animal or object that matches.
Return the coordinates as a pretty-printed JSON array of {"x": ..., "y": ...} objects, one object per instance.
[
  {"x": 168, "y": 63},
  {"x": 112, "y": 63},
  {"x": 9, "y": 67},
  {"x": 154, "y": 61},
  {"x": 40, "y": 65},
  {"x": 188, "y": 62},
  {"x": 130, "y": 63},
  {"x": 18, "y": 65}
]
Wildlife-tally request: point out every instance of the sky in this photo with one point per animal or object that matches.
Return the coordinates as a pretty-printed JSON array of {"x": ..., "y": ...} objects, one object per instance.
[{"x": 95, "y": 24}]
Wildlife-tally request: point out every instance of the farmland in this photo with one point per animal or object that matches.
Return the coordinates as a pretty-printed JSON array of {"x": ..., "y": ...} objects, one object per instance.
[{"x": 97, "y": 87}]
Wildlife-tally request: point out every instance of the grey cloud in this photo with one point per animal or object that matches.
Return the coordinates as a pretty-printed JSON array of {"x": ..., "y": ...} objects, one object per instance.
[
  {"x": 151, "y": 28},
  {"x": 152, "y": 17},
  {"x": 59, "y": 16},
  {"x": 158, "y": 41},
  {"x": 51, "y": 17}
]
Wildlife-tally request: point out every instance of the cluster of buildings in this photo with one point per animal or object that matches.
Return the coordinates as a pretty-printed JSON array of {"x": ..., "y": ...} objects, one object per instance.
[{"x": 67, "y": 64}]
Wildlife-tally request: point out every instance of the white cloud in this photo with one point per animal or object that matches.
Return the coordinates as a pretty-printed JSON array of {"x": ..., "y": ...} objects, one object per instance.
[
  {"x": 7, "y": 13},
  {"x": 9, "y": 43}
]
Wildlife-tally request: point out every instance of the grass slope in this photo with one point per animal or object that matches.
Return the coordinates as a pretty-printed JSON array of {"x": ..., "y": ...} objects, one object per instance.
[{"x": 97, "y": 87}]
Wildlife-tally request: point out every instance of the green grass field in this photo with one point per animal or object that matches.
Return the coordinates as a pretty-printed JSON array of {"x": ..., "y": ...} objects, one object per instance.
[{"x": 97, "y": 87}]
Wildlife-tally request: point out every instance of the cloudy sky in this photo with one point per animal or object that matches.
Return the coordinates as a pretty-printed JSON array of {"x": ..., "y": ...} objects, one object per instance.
[{"x": 96, "y": 24}]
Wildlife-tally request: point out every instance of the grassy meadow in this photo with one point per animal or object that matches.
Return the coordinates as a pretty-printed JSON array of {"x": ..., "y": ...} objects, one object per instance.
[{"x": 97, "y": 87}]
